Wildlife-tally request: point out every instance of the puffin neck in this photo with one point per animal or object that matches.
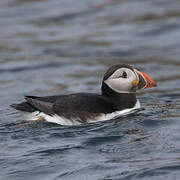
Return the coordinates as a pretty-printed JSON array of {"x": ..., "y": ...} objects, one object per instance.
[{"x": 122, "y": 100}]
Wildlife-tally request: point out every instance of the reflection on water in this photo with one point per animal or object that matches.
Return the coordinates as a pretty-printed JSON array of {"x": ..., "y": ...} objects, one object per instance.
[{"x": 57, "y": 47}]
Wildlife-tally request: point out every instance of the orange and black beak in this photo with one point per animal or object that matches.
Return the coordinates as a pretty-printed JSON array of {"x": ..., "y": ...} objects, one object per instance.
[{"x": 144, "y": 81}]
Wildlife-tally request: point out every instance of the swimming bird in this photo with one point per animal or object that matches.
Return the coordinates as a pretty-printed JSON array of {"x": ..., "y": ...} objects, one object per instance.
[{"x": 118, "y": 97}]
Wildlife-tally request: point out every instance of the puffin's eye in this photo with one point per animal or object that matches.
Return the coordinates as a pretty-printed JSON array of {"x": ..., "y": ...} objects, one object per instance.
[{"x": 124, "y": 75}]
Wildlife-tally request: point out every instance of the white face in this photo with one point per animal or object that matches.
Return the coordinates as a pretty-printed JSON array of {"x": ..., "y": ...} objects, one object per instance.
[{"x": 122, "y": 80}]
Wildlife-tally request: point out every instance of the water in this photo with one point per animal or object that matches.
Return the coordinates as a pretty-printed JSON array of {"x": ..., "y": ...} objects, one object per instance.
[{"x": 57, "y": 47}]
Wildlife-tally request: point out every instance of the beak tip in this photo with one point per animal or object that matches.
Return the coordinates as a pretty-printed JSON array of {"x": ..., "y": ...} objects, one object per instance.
[
  {"x": 145, "y": 80},
  {"x": 152, "y": 84}
]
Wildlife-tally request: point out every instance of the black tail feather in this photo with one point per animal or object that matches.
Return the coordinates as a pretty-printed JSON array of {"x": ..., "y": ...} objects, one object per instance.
[
  {"x": 14, "y": 106},
  {"x": 32, "y": 97},
  {"x": 24, "y": 106}
]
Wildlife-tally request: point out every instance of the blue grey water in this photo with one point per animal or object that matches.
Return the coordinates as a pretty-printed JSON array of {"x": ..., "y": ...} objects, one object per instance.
[{"x": 58, "y": 47}]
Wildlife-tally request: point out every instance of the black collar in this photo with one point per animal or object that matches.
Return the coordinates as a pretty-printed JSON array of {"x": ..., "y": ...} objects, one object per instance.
[{"x": 121, "y": 100}]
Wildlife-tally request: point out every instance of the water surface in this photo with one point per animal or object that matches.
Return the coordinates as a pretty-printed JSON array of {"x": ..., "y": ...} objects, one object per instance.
[{"x": 59, "y": 47}]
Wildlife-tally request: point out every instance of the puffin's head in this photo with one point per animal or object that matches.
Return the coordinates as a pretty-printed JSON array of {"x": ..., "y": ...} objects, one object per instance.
[{"x": 123, "y": 78}]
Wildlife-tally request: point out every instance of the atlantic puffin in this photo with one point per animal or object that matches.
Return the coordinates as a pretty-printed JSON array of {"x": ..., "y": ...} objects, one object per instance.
[{"x": 118, "y": 97}]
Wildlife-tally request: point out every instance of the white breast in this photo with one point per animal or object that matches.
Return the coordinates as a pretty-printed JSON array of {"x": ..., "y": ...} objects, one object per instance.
[
  {"x": 63, "y": 121},
  {"x": 117, "y": 113}
]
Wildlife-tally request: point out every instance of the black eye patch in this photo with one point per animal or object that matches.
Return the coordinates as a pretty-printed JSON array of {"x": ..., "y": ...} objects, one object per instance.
[{"x": 124, "y": 75}]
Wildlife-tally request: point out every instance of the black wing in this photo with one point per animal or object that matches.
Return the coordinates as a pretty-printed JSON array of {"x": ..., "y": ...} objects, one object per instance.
[
  {"x": 84, "y": 102},
  {"x": 81, "y": 106},
  {"x": 41, "y": 105}
]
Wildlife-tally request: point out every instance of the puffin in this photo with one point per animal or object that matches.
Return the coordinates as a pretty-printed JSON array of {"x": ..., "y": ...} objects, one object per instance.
[{"x": 117, "y": 97}]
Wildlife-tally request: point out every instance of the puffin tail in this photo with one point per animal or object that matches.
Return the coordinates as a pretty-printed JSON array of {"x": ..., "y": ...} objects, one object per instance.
[
  {"x": 24, "y": 106},
  {"x": 15, "y": 106}
]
